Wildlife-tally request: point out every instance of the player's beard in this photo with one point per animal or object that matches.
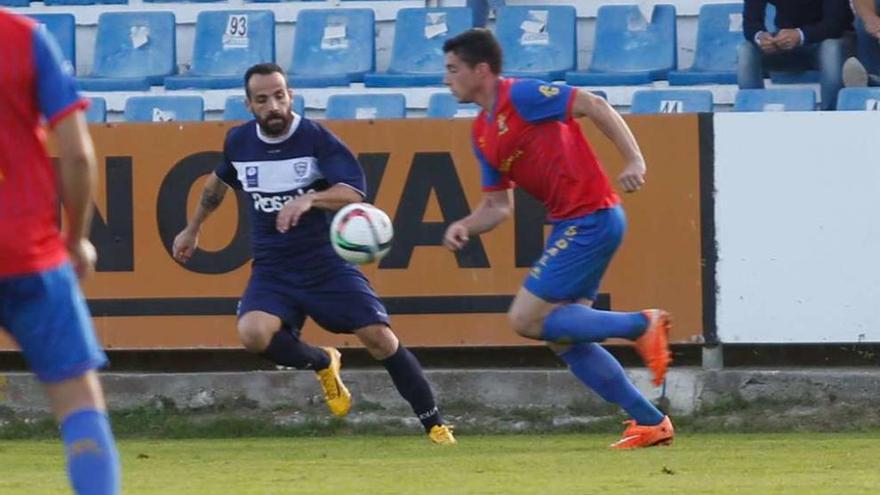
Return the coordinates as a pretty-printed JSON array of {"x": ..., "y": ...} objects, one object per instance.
[{"x": 275, "y": 123}]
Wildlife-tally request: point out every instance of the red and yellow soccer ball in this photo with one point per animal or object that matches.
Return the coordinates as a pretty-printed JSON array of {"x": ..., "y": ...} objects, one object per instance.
[{"x": 361, "y": 233}]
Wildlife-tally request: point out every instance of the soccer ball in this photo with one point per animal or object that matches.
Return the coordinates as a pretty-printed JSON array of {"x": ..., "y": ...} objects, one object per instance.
[{"x": 361, "y": 233}]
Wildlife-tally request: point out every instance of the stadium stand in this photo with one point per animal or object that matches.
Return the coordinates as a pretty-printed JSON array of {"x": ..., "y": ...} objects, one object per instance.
[
  {"x": 63, "y": 28},
  {"x": 538, "y": 41},
  {"x": 235, "y": 109},
  {"x": 332, "y": 47},
  {"x": 719, "y": 32},
  {"x": 852, "y": 99}
]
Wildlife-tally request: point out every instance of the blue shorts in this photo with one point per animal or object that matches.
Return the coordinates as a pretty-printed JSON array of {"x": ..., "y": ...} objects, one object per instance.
[
  {"x": 576, "y": 256},
  {"x": 47, "y": 315},
  {"x": 341, "y": 301}
]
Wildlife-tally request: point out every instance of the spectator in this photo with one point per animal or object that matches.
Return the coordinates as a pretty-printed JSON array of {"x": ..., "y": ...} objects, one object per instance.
[
  {"x": 810, "y": 34},
  {"x": 865, "y": 70}
]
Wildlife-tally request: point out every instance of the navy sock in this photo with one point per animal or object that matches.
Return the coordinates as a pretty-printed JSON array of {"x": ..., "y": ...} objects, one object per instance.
[
  {"x": 579, "y": 323},
  {"x": 287, "y": 350},
  {"x": 598, "y": 369},
  {"x": 92, "y": 460},
  {"x": 407, "y": 375}
]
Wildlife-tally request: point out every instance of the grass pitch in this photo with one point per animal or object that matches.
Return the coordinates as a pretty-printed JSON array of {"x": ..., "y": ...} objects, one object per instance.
[{"x": 795, "y": 463}]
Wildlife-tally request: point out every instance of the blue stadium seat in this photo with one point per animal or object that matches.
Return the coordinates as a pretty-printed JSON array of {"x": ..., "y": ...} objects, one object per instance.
[
  {"x": 417, "y": 55},
  {"x": 185, "y": 1},
  {"x": 859, "y": 99},
  {"x": 332, "y": 47},
  {"x": 630, "y": 49},
  {"x": 86, "y": 2},
  {"x": 133, "y": 50},
  {"x": 775, "y": 100},
  {"x": 227, "y": 42},
  {"x": 374, "y": 106},
  {"x": 538, "y": 41},
  {"x": 446, "y": 106},
  {"x": 671, "y": 101},
  {"x": 235, "y": 108},
  {"x": 63, "y": 28},
  {"x": 719, "y": 32},
  {"x": 164, "y": 108},
  {"x": 15, "y": 3},
  {"x": 97, "y": 111}
]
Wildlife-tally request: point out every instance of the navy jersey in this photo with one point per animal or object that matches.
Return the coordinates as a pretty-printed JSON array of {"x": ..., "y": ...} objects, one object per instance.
[{"x": 272, "y": 171}]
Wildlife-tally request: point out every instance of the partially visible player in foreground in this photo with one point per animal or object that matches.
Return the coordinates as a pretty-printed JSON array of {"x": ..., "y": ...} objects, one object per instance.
[
  {"x": 526, "y": 135},
  {"x": 296, "y": 173},
  {"x": 40, "y": 301}
]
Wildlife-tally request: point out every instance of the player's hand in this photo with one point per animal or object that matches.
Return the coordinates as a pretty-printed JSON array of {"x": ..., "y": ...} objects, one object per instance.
[
  {"x": 456, "y": 236},
  {"x": 633, "y": 176},
  {"x": 767, "y": 43},
  {"x": 292, "y": 211},
  {"x": 185, "y": 244},
  {"x": 787, "y": 39},
  {"x": 83, "y": 257},
  {"x": 872, "y": 26}
]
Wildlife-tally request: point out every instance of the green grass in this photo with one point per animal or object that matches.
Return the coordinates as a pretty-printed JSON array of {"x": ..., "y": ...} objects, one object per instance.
[{"x": 796, "y": 463}]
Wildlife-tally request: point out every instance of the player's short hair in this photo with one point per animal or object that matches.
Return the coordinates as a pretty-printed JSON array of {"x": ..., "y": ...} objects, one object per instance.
[
  {"x": 475, "y": 46},
  {"x": 263, "y": 69}
]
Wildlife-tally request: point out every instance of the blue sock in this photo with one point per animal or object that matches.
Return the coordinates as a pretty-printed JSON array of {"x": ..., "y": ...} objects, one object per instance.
[
  {"x": 406, "y": 373},
  {"x": 92, "y": 460},
  {"x": 598, "y": 369},
  {"x": 578, "y": 323},
  {"x": 287, "y": 350}
]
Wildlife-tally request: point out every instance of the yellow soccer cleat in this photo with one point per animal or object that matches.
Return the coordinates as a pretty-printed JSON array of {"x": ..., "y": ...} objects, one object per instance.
[
  {"x": 338, "y": 397},
  {"x": 442, "y": 435}
]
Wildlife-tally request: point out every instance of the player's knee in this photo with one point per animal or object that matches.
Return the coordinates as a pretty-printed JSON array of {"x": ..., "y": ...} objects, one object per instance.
[
  {"x": 524, "y": 324},
  {"x": 379, "y": 340},
  {"x": 254, "y": 338}
]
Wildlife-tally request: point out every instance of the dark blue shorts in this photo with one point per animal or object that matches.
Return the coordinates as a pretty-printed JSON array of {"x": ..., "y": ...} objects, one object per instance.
[
  {"x": 576, "y": 256},
  {"x": 342, "y": 301},
  {"x": 47, "y": 315}
]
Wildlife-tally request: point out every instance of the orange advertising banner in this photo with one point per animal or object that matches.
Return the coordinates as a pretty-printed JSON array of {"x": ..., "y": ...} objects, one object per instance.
[{"x": 423, "y": 174}]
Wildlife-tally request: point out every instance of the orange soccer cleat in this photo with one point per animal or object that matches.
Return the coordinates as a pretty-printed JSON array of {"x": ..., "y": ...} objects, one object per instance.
[
  {"x": 653, "y": 345},
  {"x": 636, "y": 436}
]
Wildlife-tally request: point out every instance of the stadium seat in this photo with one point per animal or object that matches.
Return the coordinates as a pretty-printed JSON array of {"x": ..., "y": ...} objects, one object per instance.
[
  {"x": 859, "y": 99},
  {"x": 15, "y": 3},
  {"x": 63, "y": 28},
  {"x": 227, "y": 42},
  {"x": 164, "y": 108},
  {"x": 374, "y": 106},
  {"x": 186, "y": 1},
  {"x": 671, "y": 101},
  {"x": 538, "y": 41},
  {"x": 719, "y": 32},
  {"x": 775, "y": 100},
  {"x": 446, "y": 106},
  {"x": 630, "y": 49},
  {"x": 417, "y": 53},
  {"x": 133, "y": 50},
  {"x": 332, "y": 47},
  {"x": 86, "y": 2},
  {"x": 97, "y": 111},
  {"x": 235, "y": 109}
]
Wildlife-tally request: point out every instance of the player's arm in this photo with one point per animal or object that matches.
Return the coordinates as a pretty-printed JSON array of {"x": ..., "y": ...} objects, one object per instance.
[
  {"x": 332, "y": 198},
  {"x": 212, "y": 196},
  {"x": 611, "y": 124},
  {"x": 77, "y": 170},
  {"x": 494, "y": 208}
]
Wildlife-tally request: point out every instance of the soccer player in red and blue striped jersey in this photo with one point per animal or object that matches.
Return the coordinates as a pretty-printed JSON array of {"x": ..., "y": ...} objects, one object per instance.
[
  {"x": 527, "y": 135},
  {"x": 41, "y": 305}
]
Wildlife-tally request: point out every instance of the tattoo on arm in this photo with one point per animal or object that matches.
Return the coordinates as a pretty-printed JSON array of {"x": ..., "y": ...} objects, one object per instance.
[{"x": 212, "y": 197}]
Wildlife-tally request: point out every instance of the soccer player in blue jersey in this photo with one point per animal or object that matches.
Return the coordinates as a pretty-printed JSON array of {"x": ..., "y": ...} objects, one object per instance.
[
  {"x": 527, "y": 135},
  {"x": 296, "y": 174},
  {"x": 41, "y": 305}
]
